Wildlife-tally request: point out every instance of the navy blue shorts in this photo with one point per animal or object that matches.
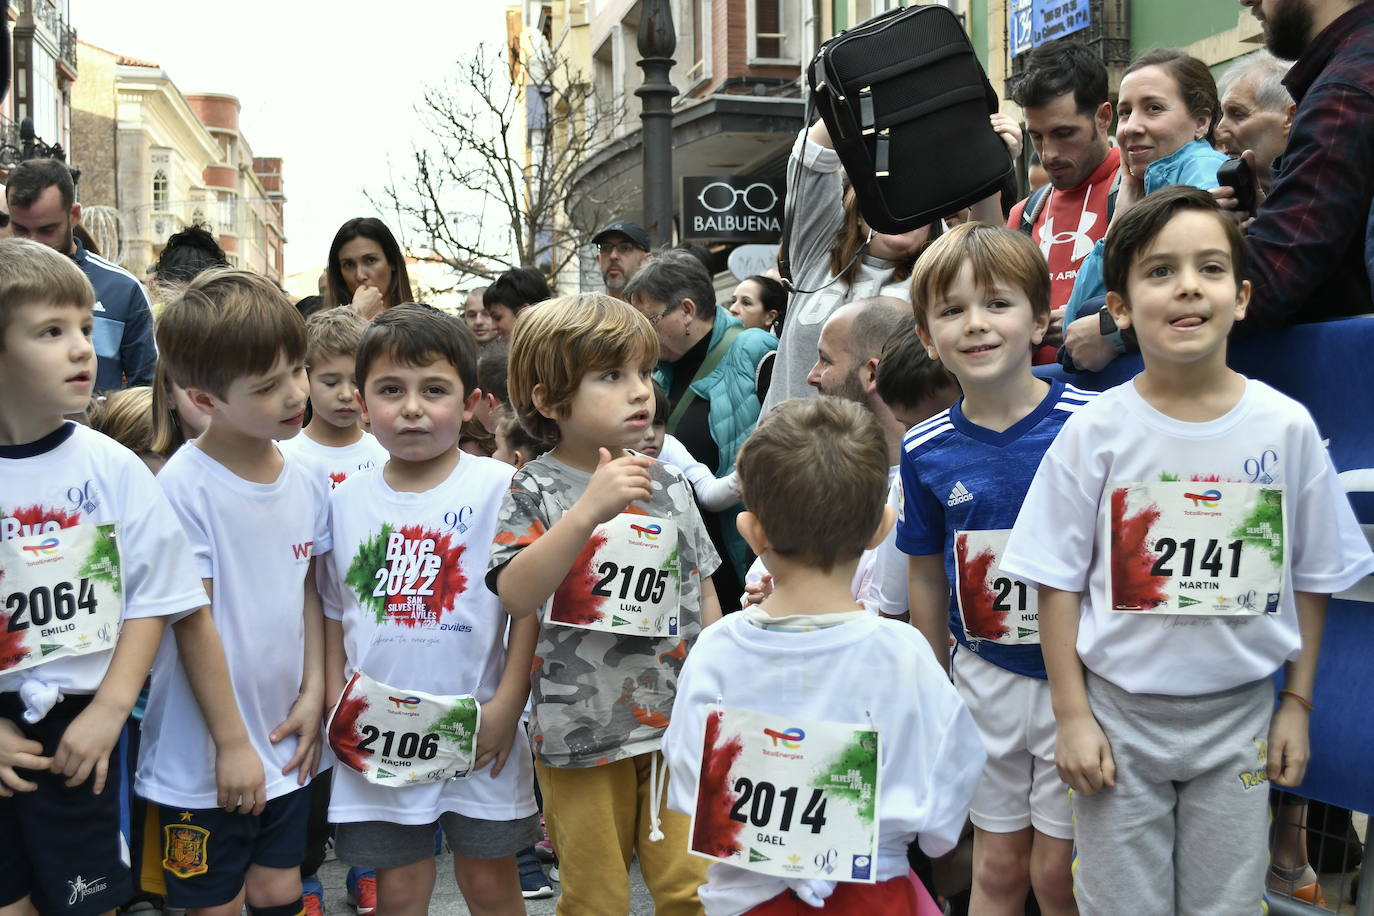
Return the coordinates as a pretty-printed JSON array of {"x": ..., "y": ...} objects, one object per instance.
[
  {"x": 207, "y": 851},
  {"x": 62, "y": 847}
]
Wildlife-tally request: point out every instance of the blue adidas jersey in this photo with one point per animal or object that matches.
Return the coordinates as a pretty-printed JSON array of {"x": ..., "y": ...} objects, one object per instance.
[{"x": 960, "y": 477}]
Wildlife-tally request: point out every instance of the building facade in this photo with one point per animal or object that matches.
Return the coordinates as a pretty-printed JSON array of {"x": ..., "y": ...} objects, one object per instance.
[{"x": 44, "y": 62}]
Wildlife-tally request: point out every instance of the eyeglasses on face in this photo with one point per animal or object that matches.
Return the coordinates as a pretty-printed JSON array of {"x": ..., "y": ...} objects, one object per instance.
[{"x": 620, "y": 248}]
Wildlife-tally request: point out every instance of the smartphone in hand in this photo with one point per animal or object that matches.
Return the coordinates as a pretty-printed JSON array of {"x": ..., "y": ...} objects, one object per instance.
[{"x": 1237, "y": 175}]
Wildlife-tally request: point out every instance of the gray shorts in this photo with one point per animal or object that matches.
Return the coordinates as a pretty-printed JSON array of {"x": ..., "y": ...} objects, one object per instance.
[{"x": 381, "y": 844}]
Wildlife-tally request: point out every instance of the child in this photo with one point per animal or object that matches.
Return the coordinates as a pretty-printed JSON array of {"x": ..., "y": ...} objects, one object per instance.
[
  {"x": 333, "y": 441},
  {"x": 77, "y": 645},
  {"x": 256, "y": 520},
  {"x": 1162, "y": 640},
  {"x": 514, "y": 445},
  {"x": 807, "y": 676},
  {"x": 981, "y": 298},
  {"x": 408, "y": 612},
  {"x": 126, "y": 416},
  {"x": 617, "y": 544},
  {"x": 176, "y": 420},
  {"x": 713, "y": 494}
]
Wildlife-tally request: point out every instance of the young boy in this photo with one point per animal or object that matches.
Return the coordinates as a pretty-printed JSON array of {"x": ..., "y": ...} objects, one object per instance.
[
  {"x": 255, "y": 520},
  {"x": 609, "y": 550},
  {"x": 1177, "y": 572},
  {"x": 810, "y": 683},
  {"x": 334, "y": 441},
  {"x": 407, "y": 611},
  {"x": 92, "y": 563},
  {"x": 981, "y": 298}
]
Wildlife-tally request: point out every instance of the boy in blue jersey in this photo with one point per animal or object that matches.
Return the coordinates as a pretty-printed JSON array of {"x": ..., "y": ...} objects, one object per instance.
[{"x": 981, "y": 298}]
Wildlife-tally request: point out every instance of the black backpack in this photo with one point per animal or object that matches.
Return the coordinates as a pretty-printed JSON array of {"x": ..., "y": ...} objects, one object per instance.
[{"x": 907, "y": 104}]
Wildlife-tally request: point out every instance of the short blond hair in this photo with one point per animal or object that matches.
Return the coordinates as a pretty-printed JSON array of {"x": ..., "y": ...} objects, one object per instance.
[
  {"x": 34, "y": 274},
  {"x": 126, "y": 417},
  {"x": 996, "y": 253},
  {"x": 814, "y": 473},
  {"x": 558, "y": 342},
  {"x": 227, "y": 324},
  {"x": 333, "y": 332}
]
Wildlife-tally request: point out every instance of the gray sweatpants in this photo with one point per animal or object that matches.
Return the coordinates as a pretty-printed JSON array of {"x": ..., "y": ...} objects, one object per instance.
[{"x": 1185, "y": 829}]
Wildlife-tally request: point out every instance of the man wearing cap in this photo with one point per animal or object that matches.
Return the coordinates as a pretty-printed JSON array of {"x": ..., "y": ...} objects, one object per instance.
[{"x": 620, "y": 249}]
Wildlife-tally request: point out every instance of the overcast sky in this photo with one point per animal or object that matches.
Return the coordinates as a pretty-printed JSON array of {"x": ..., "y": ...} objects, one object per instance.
[{"x": 328, "y": 86}]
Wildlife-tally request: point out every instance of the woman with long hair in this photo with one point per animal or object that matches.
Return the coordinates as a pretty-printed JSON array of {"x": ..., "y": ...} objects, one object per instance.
[{"x": 366, "y": 268}]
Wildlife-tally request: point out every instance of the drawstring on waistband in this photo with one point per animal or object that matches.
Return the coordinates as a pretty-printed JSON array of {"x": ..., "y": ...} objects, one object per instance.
[{"x": 658, "y": 781}]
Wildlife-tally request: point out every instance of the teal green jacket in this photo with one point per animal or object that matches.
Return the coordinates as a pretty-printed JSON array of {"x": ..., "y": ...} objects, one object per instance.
[{"x": 730, "y": 391}]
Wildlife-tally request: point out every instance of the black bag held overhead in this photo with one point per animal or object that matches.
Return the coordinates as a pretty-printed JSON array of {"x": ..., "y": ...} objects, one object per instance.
[{"x": 907, "y": 104}]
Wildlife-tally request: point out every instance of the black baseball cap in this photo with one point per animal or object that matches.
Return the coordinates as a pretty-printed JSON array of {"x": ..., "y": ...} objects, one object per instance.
[{"x": 632, "y": 231}]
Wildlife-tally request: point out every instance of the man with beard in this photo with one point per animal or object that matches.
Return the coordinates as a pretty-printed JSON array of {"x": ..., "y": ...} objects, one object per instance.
[
  {"x": 1064, "y": 97},
  {"x": 620, "y": 250},
  {"x": 1307, "y": 239}
]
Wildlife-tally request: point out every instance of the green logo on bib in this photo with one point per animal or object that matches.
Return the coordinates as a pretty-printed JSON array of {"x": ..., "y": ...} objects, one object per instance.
[
  {"x": 1023, "y": 632},
  {"x": 1185, "y": 601},
  {"x": 756, "y": 856},
  {"x": 385, "y": 774},
  {"x": 49, "y": 647},
  {"x": 619, "y": 621}
]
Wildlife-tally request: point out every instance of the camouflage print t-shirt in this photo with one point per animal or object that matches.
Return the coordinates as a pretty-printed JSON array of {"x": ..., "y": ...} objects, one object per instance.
[{"x": 596, "y": 696}]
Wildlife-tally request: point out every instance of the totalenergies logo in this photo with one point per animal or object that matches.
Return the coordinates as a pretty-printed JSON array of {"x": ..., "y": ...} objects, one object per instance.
[
  {"x": 648, "y": 532},
  {"x": 1209, "y": 499},
  {"x": 46, "y": 548},
  {"x": 405, "y": 702},
  {"x": 790, "y": 738}
]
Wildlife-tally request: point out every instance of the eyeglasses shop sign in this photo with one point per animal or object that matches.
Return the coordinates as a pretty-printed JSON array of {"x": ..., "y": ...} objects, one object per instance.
[{"x": 731, "y": 208}]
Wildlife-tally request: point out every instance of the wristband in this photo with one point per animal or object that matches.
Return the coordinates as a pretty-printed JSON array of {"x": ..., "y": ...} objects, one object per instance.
[{"x": 1303, "y": 701}]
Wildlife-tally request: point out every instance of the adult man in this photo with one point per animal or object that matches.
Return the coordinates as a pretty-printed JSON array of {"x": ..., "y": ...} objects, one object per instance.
[
  {"x": 42, "y": 202},
  {"x": 478, "y": 318},
  {"x": 1064, "y": 97},
  {"x": 1307, "y": 257},
  {"x": 1256, "y": 112},
  {"x": 620, "y": 250}
]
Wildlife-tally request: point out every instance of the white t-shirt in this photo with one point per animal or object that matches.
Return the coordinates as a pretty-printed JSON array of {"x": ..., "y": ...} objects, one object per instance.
[
  {"x": 451, "y": 642},
  {"x": 1119, "y": 438},
  {"x": 930, "y": 755},
  {"x": 254, "y": 542},
  {"x": 336, "y": 463},
  {"x": 76, "y": 476}
]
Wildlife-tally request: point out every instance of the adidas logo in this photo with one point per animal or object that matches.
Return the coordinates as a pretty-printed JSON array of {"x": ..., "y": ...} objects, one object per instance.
[
  {"x": 959, "y": 494},
  {"x": 98, "y": 307}
]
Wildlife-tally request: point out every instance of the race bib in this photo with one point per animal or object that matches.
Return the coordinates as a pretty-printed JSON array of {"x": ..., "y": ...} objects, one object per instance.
[
  {"x": 626, "y": 580},
  {"x": 403, "y": 737},
  {"x": 992, "y": 605},
  {"x": 63, "y": 595},
  {"x": 1208, "y": 548},
  {"x": 786, "y": 797}
]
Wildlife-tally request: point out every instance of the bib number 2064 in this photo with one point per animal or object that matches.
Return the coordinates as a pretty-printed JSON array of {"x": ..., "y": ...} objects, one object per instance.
[
  {"x": 760, "y": 798},
  {"x": 40, "y": 605}
]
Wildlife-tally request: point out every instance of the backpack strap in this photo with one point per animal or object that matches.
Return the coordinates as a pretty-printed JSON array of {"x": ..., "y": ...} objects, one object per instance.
[
  {"x": 1111, "y": 195},
  {"x": 708, "y": 365},
  {"x": 1034, "y": 205}
]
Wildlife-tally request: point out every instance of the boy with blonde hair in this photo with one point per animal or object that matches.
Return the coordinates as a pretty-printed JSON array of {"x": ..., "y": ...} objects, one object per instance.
[
  {"x": 92, "y": 564},
  {"x": 1185, "y": 532},
  {"x": 256, "y": 521},
  {"x": 809, "y": 682},
  {"x": 981, "y": 295},
  {"x": 334, "y": 440},
  {"x": 607, "y": 548}
]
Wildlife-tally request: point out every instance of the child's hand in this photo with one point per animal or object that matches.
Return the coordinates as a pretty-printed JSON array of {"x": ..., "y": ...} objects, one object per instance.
[
  {"x": 86, "y": 744},
  {"x": 616, "y": 484},
  {"x": 1009, "y": 131},
  {"x": 239, "y": 780},
  {"x": 1288, "y": 746},
  {"x": 496, "y": 735},
  {"x": 1083, "y": 756},
  {"x": 758, "y": 592},
  {"x": 18, "y": 752},
  {"x": 304, "y": 723}
]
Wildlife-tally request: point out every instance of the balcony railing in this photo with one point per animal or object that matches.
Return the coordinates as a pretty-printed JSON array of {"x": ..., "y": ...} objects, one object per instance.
[{"x": 50, "y": 17}]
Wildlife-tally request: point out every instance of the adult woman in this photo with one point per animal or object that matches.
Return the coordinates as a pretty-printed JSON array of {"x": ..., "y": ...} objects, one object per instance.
[
  {"x": 708, "y": 365},
  {"x": 366, "y": 268},
  {"x": 1166, "y": 111},
  {"x": 759, "y": 302}
]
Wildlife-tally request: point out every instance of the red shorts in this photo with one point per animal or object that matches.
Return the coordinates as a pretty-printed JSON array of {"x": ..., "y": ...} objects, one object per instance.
[{"x": 894, "y": 897}]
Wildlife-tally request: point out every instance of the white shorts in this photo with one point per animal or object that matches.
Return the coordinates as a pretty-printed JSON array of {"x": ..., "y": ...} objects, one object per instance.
[{"x": 1020, "y": 786}]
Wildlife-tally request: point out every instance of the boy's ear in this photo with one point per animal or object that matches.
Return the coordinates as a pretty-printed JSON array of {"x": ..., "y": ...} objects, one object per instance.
[
  {"x": 493, "y": 402},
  {"x": 539, "y": 396},
  {"x": 1042, "y": 325},
  {"x": 362, "y": 406},
  {"x": 1120, "y": 310},
  {"x": 1242, "y": 299},
  {"x": 884, "y": 526},
  {"x": 202, "y": 399},
  {"x": 927, "y": 342},
  {"x": 751, "y": 529},
  {"x": 470, "y": 403}
]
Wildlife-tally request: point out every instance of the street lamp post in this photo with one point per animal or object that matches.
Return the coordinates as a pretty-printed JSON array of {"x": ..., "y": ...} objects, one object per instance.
[{"x": 657, "y": 41}]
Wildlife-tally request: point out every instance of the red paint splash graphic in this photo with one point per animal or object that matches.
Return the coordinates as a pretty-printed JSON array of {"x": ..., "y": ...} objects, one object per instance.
[
  {"x": 573, "y": 601},
  {"x": 33, "y": 518},
  {"x": 336, "y": 478},
  {"x": 12, "y": 650},
  {"x": 451, "y": 582},
  {"x": 715, "y": 833},
  {"x": 982, "y": 620},
  {"x": 1133, "y": 587},
  {"x": 344, "y": 736}
]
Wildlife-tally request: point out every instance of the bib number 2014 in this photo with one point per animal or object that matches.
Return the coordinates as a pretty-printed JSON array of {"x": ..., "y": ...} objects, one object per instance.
[
  {"x": 758, "y": 802},
  {"x": 41, "y": 605}
]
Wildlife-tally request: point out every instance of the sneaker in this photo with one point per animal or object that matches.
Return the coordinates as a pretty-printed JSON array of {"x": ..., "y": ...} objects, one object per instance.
[
  {"x": 553, "y": 872},
  {"x": 313, "y": 897},
  {"x": 533, "y": 883},
  {"x": 544, "y": 848},
  {"x": 361, "y": 885}
]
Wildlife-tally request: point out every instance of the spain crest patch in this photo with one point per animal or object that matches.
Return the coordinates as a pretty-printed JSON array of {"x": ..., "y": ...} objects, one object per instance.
[{"x": 185, "y": 850}]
